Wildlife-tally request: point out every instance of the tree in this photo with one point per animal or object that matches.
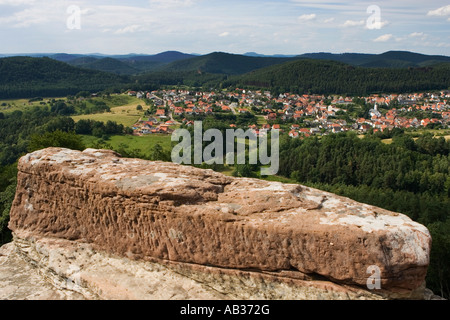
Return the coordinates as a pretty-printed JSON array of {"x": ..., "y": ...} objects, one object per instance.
[
  {"x": 139, "y": 108},
  {"x": 157, "y": 153},
  {"x": 57, "y": 138},
  {"x": 65, "y": 124},
  {"x": 6, "y": 199},
  {"x": 83, "y": 94},
  {"x": 97, "y": 132},
  {"x": 243, "y": 170},
  {"x": 83, "y": 126},
  {"x": 61, "y": 108},
  {"x": 439, "y": 271}
]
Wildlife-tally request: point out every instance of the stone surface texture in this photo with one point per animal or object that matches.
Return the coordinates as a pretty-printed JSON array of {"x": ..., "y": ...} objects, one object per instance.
[{"x": 205, "y": 231}]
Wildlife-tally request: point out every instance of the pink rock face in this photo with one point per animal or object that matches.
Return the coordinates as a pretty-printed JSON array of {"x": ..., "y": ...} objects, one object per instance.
[{"x": 148, "y": 210}]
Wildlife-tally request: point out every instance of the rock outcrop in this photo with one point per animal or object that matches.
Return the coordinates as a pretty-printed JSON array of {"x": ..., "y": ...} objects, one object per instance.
[{"x": 217, "y": 236}]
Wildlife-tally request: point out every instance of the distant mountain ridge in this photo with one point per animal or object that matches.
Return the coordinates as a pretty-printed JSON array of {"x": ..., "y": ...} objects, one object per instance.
[
  {"x": 27, "y": 77},
  {"x": 234, "y": 64},
  {"x": 390, "y": 59},
  {"x": 125, "y": 64},
  {"x": 231, "y": 64},
  {"x": 316, "y": 73},
  {"x": 223, "y": 63},
  {"x": 128, "y": 64}
]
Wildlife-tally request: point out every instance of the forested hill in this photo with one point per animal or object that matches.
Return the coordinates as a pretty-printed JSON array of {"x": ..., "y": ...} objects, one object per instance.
[
  {"x": 123, "y": 64},
  {"x": 106, "y": 64},
  {"x": 24, "y": 77},
  {"x": 390, "y": 59},
  {"x": 325, "y": 77},
  {"x": 27, "y": 77},
  {"x": 223, "y": 63}
]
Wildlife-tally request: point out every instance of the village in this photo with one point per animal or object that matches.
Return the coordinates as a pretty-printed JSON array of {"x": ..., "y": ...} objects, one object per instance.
[{"x": 298, "y": 115}]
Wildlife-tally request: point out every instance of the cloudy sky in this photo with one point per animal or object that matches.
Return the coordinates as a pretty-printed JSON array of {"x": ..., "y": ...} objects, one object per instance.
[{"x": 204, "y": 26}]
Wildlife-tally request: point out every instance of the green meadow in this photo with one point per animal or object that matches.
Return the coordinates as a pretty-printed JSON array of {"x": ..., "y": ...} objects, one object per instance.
[
  {"x": 8, "y": 106},
  {"x": 123, "y": 114},
  {"x": 129, "y": 142}
]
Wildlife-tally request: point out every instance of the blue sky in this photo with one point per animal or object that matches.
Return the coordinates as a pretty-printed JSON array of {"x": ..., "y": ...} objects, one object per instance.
[{"x": 204, "y": 26}]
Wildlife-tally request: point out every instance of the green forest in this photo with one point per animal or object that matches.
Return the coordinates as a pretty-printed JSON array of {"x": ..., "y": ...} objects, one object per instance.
[
  {"x": 408, "y": 176},
  {"x": 25, "y": 77},
  {"x": 327, "y": 77},
  {"x": 411, "y": 176}
]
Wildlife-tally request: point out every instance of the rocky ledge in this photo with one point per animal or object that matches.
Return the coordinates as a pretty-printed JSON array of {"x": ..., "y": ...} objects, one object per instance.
[{"x": 124, "y": 225}]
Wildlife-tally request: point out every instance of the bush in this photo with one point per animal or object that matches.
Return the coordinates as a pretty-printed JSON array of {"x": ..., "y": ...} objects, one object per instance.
[{"x": 57, "y": 138}]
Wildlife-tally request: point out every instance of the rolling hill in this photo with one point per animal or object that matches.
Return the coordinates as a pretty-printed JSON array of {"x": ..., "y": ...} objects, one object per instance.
[
  {"x": 25, "y": 77},
  {"x": 122, "y": 64},
  {"x": 105, "y": 64},
  {"x": 163, "y": 57},
  {"x": 325, "y": 77},
  {"x": 390, "y": 59},
  {"x": 233, "y": 64},
  {"x": 223, "y": 63}
]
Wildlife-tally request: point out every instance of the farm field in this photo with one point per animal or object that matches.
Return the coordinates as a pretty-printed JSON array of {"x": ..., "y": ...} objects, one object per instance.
[
  {"x": 126, "y": 115},
  {"x": 8, "y": 106}
]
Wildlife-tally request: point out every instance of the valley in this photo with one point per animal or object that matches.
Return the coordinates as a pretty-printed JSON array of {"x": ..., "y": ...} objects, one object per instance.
[{"x": 370, "y": 131}]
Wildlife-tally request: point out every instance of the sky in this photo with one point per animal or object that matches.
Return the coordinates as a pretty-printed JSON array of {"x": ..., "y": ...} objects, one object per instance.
[{"x": 204, "y": 26}]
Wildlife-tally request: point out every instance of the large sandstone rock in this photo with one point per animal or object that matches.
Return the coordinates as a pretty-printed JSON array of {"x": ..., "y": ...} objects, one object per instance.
[
  {"x": 57, "y": 269},
  {"x": 154, "y": 211}
]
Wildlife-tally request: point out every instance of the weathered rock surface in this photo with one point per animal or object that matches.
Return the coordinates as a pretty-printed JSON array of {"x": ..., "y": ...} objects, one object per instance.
[
  {"x": 59, "y": 269},
  {"x": 205, "y": 225}
]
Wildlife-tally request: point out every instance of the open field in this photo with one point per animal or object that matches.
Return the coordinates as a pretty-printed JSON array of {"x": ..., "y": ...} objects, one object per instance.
[
  {"x": 8, "y": 106},
  {"x": 128, "y": 142},
  {"x": 261, "y": 120},
  {"x": 126, "y": 115},
  {"x": 389, "y": 141},
  {"x": 123, "y": 108}
]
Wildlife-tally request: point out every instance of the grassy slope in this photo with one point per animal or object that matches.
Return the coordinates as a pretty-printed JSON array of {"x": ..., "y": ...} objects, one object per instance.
[
  {"x": 144, "y": 143},
  {"x": 20, "y": 104},
  {"x": 123, "y": 114}
]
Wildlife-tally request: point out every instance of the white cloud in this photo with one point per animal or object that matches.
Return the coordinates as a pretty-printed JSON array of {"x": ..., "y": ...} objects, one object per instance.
[
  {"x": 383, "y": 24},
  {"x": 416, "y": 34},
  {"x": 443, "y": 11},
  {"x": 307, "y": 17},
  {"x": 16, "y": 2},
  {"x": 376, "y": 24},
  {"x": 224, "y": 34},
  {"x": 353, "y": 23},
  {"x": 129, "y": 29},
  {"x": 34, "y": 15},
  {"x": 384, "y": 38},
  {"x": 328, "y": 20},
  {"x": 166, "y": 4},
  {"x": 123, "y": 19},
  {"x": 443, "y": 45}
]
